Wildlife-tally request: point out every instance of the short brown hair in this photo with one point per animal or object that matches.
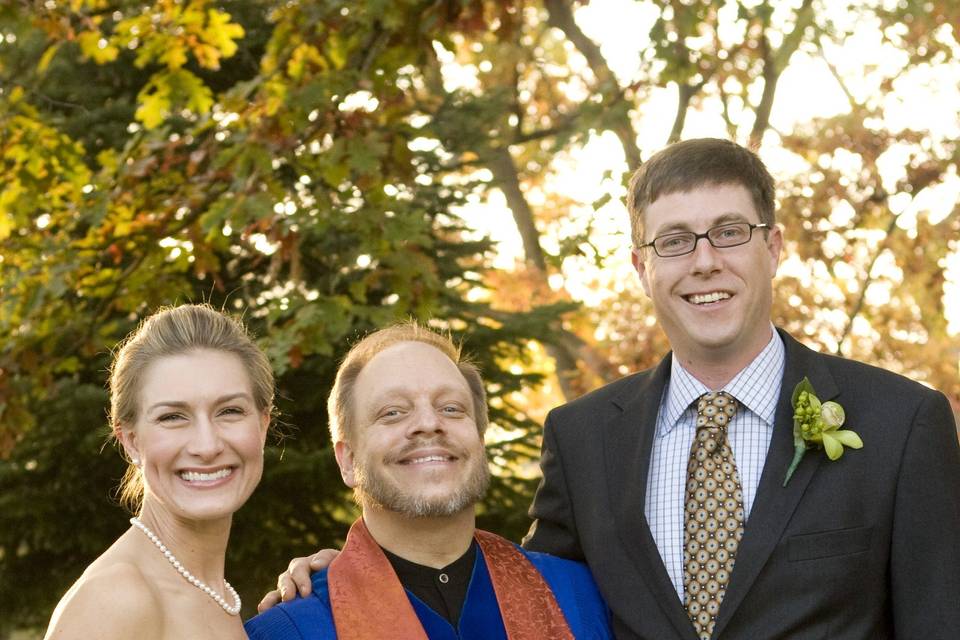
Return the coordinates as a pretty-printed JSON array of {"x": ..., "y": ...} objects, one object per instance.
[
  {"x": 339, "y": 404},
  {"x": 690, "y": 164},
  {"x": 174, "y": 331}
]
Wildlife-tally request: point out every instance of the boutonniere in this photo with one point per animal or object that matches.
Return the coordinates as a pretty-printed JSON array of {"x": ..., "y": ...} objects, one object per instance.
[{"x": 817, "y": 424}]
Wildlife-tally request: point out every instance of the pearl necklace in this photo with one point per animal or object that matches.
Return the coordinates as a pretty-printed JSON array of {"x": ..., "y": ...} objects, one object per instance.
[{"x": 189, "y": 577}]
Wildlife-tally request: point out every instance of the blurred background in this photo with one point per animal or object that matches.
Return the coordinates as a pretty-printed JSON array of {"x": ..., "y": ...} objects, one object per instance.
[{"x": 323, "y": 168}]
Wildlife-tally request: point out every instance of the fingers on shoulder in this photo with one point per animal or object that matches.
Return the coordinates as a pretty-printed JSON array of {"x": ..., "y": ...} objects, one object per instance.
[{"x": 322, "y": 559}]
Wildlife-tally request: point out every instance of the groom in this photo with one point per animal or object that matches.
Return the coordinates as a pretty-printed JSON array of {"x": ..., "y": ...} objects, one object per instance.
[{"x": 670, "y": 483}]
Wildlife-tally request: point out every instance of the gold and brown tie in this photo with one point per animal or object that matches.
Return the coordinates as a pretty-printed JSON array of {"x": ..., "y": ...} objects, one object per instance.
[{"x": 714, "y": 513}]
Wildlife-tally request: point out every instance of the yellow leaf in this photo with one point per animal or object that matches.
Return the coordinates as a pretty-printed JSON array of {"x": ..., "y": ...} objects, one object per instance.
[
  {"x": 88, "y": 42},
  {"x": 188, "y": 88},
  {"x": 201, "y": 100},
  {"x": 47, "y": 57},
  {"x": 207, "y": 56},
  {"x": 6, "y": 226},
  {"x": 221, "y": 33},
  {"x": 107, "y": 159},
  {"x": 122, "y": 228},
  {"x": 106, "y": 54},
  {"x": 94, "y": 46},
  {"x": 276, "y": 91},
  {"x": 175, "y": 56},
  {"x": 303, "y": 55},
  {"x": 153, "y": 108}
]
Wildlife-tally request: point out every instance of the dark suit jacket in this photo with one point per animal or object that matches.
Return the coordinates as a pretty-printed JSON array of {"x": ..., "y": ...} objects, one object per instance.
[{"x": 865, "y": 547}]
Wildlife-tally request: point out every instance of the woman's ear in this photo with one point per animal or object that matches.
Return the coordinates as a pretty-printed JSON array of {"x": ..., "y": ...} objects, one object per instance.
[
  {"x": 128, "y": 438},
  {"x": 264, "y": 427}
]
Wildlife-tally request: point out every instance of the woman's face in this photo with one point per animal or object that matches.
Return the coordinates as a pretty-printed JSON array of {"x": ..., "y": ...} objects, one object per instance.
[{"x": 199, "y": 435}]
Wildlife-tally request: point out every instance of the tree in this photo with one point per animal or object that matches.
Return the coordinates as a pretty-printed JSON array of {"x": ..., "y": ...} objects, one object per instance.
[{"x": 287, "y": 187}]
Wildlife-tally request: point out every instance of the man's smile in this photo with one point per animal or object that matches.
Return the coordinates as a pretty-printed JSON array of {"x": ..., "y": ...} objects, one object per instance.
[{"x": 707, "y": 298}]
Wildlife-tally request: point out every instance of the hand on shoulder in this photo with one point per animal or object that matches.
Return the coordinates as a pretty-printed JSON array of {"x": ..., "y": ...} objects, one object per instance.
[
  {"x": 107, "y": 602},
  {"x": 296, "y": 581}
]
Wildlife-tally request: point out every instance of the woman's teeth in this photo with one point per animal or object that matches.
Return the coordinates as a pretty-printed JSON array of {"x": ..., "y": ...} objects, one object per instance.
[{"x": 198, "y": 476}]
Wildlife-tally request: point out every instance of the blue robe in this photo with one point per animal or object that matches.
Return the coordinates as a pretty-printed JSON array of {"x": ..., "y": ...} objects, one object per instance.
[{"x": 573, "y": 587}]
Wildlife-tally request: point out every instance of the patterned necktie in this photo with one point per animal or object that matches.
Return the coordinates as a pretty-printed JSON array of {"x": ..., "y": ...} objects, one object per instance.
[{"x": 714, "y": 513}]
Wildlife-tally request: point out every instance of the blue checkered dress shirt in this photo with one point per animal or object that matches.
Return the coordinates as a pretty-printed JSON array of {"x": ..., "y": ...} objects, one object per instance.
[{"x": 757, "y": 388}]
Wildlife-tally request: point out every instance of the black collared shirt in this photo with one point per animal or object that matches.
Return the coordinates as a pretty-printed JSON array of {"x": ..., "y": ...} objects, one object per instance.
[{"x": 443, "y": 590}]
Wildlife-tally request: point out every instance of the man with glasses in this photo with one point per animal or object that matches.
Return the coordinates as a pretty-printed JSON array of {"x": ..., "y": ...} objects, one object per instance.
[{"x": 670, "y": 483}]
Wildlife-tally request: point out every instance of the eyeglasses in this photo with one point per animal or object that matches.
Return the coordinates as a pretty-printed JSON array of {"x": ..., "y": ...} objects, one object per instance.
[{"x": 722, "y": 236}]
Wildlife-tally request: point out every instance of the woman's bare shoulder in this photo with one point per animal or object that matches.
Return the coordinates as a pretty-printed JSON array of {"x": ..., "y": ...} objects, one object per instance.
[{"x": 112, "y": 599}]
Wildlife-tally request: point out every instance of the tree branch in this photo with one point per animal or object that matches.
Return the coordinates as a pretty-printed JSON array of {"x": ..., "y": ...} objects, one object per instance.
[
  {"x": 836, "y": 76},
  {"x": 725, "y": 112},
  {"x": 773, "y": 65},
  {"x": 500, "y": 163},
  {"x": 560, "y": 16},
  {"x": 858, "y": 306},
  {"x": 684, "y": 95}
]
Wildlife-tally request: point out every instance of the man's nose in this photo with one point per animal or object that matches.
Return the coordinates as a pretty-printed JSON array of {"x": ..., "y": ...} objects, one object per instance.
[
  {"x": 426, "y": 420},
  {"x": 706, "y": 257}
]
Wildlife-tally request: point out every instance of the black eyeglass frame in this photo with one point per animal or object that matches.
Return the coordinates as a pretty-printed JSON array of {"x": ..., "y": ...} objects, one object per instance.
[{"x": 705, "y": 235}]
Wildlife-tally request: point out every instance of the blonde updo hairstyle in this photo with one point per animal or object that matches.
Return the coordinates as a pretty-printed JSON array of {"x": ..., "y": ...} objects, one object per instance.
[{"x": 175, "y": 331}]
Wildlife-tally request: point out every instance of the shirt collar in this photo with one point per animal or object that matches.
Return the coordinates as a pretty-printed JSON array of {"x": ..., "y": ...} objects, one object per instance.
[
  {"x": 410, "y": 573},
  {"x": 756, "y": 386}
]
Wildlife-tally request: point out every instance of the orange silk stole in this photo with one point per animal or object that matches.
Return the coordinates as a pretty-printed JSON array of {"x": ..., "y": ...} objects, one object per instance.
[{"x": 369, "y": 603}]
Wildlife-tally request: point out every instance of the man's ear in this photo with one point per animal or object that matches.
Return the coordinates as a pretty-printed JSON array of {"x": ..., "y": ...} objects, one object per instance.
[
  {"x": 636, "y": 256},
  {"x": 775, "y": 247},
  {"x": 345, "y": 461}
]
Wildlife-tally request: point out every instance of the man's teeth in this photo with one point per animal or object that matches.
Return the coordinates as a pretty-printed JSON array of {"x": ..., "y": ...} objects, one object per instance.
[
  {"x": 197, "y": 476},
  {"x": 704, "y": 298},
  {"x": 427, "y": 459}
]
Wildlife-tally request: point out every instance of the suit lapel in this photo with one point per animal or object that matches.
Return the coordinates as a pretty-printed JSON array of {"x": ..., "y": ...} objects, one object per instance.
[
  {"x": 628, "y": 442},
  {"x": 774, "y": 504}
]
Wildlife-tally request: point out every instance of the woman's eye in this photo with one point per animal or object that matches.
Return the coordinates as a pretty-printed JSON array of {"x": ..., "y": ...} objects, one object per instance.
[
  {"x": 170, "y": 417},
  {"x": 452, "y": 408},
  {"x": 235, "y": 411}
]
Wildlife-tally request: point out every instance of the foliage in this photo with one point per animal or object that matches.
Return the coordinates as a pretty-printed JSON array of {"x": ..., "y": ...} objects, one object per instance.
[{"x": 288, "y": 191}]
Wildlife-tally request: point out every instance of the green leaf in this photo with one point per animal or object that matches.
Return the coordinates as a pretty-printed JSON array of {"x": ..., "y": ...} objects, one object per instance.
[
  {"x": 832, "y": 446},
  {"x": 848, "y": 438}
]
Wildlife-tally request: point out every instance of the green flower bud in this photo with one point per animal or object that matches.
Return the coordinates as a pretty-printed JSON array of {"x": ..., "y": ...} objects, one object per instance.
[{"x": 832, "y": 414}]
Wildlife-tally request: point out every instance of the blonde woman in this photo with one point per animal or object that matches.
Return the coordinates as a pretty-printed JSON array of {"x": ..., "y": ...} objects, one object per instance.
[{"x": 191, "y": 399}]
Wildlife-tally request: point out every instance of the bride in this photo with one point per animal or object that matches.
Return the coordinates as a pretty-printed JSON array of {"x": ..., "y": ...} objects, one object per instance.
[{"x": 191, "y": 399}]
